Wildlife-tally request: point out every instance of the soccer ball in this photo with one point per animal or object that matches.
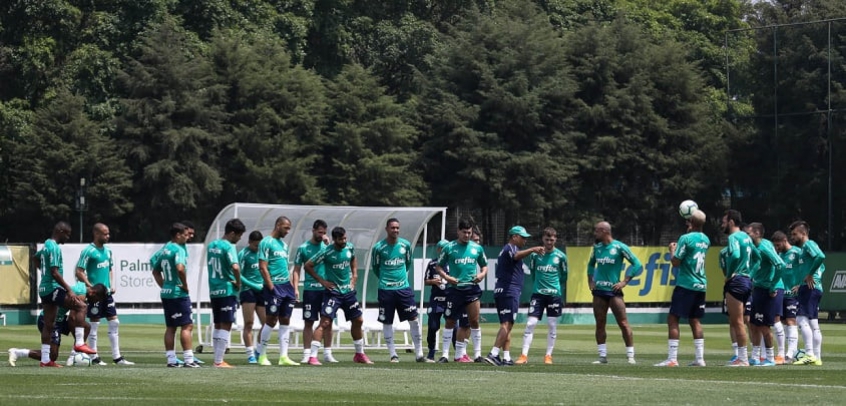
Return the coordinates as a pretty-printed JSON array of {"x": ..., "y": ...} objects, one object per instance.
[
  {"x": 81, "y": 360},
  {"x": 687, "y": 207},
  {"x": 799, "y": 354}
]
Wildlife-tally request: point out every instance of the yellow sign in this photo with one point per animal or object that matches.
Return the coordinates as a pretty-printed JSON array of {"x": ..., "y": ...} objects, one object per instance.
[
  {"x": 655, "y": 283},
  {"x": 14, "y": 272}
]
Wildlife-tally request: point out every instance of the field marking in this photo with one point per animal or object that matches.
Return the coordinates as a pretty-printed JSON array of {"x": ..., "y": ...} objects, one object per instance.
[{"x": 194, "y": 400}]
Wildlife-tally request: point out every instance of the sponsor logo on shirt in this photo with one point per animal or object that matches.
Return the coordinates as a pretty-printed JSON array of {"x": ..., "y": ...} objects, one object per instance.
[{"x": 395, "y": 262}]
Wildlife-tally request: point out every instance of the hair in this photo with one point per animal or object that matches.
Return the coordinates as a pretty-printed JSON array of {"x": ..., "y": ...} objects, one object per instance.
[
  {"x": 697, "y": 218},
  {"x": 392, "y": 220},
  {"x": 99, "y": 291},
  {"x": 256, "y": 236},
  {"x": 177, "y": 228},
  {"x": 799, "y": 223},
  {"x": 734, "y": 215},
  {"x": 97, "y": 227},
  {"x": 550, "y": 232},
  {"x": 188, "y": 224},
  {"x": 281, "y": 219},
  {"x": 234, "y": 226},
  {"x": 779, "y": 236},
  {"x": 758, "y": 228},
  {"x": 465, "y": 223},
  {"x": 338, "y": 232},
  {"x": 62, "y": 226},
  {"x": 319, "y": 224}
]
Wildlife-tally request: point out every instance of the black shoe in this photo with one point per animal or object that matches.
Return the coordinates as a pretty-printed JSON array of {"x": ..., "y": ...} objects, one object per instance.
[
  {"x": 479, "y": 360},
  {"x": 443, "y": 360},
  {"x": 508, "y": 363},
  {"x": 493, "y": 360},
  {"x": 174, "y": 365},
  {"x": 191, "y": 365}
]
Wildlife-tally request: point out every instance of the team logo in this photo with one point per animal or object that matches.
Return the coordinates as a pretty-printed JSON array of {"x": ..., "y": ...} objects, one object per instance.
[
  {"x": 274, "y": 308},
  {"x": 429, "y": 310},
  {"x": 402, "y": 250},
  {"x": 613, "y": 251},
  {"x": 328, "y": 310},
  {"x": 447, "y": 312},
  {"x": 306, "y": 314},
  {"x": 381, "y": 316},
  {"x": 473, "y": 251},
  {"x": 95, "y": 310},
  {"x": 555, "y": 260},
  {"x": 348, "y": 254},
  {"x": 531, "y": 309}
]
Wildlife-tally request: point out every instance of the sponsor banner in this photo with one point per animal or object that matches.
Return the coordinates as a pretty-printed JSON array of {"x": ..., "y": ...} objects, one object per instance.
[
  {"x": 834, "y": 283},
  {"x": 14, "y": 272}
]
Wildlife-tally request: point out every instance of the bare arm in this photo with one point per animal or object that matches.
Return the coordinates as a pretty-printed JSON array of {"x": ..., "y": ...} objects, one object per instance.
[
  {"x": 157, "y": 276},
  {"x": 82, "y": 276},
  {"x": 295, "y": 280},
  {"x": 481, "y": 275},
  {"x": 446, "y": 276},
  {"x": 309, "y": 267},
  {"x": 265, "y": 274},
  {"x": 236, "y": 272},
  {"x": 353, "y": 272},
  {"x": 183, "y": 276}
]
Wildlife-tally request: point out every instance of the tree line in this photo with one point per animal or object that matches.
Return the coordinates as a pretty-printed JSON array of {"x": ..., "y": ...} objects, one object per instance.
[{"x": 545, "y": 112}]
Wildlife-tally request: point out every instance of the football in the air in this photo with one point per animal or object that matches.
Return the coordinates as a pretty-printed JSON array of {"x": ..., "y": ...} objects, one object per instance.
[
  {"x": 81, "y": 360},
  {"x": 687, "y": 207}
]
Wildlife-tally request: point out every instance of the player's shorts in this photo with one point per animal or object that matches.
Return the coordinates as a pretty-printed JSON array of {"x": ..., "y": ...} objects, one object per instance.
[
  {"x": 332, "y": 301},
  {"x": 312, "y": 301},
  {"x": 552, "y": 304},
  {"x": 790, "y": 307},
  {"x": 223, "y": 309},
  {"x": 607, "y": 294},
  {"x": 102, "y": 309},
  {"x": 177, "y": 311},
  {"x": 251, "y": 296},
  {"x": 280, "y": 301},
  {"x": 809, "y": 302},
  {"x": 458, "y": 299},
  {"x": 55, "y": 297},
  {"x": 59, "y": 329},
  {"x": 437, "y": 305},
  {"x": 506, "y": 308},
  {"x": 687, "y": 304},
  {"x": 747, "y": 308},
  {"x": 765, "y": 308},
  {"x": 400, "y": 301},
  {"x": 739, "y": 287}
]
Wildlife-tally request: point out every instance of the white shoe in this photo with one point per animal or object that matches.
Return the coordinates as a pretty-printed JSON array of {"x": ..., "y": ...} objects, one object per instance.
[
  {"x": 699, "y": 363},
  {"x": 70, "y": 361},
  {"x": 13, "y": 356},
  {"x": 305, "y": 358},
  {"x": 632, "y": 361},
  {"x": 601, "y": 360},
  {"x": 122, "y": 361},
  {"x": 329, "y": 358}
]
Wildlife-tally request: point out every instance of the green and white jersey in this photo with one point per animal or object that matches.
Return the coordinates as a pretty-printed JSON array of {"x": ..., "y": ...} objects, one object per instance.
[
  {"x": 811, "y": 263},
  {"x": 97, "y": 263},
  {"x": 250, "y": 273},
  {"x": 740, "y": 255},
  {"x": 462, "y": 261},
  {"x": 50, "y": 257},
  {"x": 222, "y": 256},
  {"x": 337, "y": 265},
  {"x": 78, "y": 289},
  {"x": 275, "y": 252},
  {"x": 305, "y": 252},
  {"x": 549, "y": 272},
  {"x": 690, "y": 252},
  {"x": 606, "y": 264},
  {"x": 768, "y": 273},
  {"x": 391, "y": 264},
  {"x": 792, "y": 274},
  {"x": 166, "y": 261}
]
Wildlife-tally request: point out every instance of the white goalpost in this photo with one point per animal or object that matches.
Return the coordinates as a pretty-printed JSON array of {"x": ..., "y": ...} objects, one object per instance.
[{"x": 365, "y": 227}]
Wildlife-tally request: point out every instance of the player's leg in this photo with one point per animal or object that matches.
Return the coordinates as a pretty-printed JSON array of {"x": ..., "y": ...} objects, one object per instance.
[
  {"x": 407, "y": 311},
  {"x": 272, "y": 306},
  {"x": 677, "y": 308},
  {"x": 738, "y": 294},
  {"x": 312, "y": 300},
  {"x": 600, "y": 316},
  {"x": 50, "y": 311},
  {"x": 474, "y": 332},
  {"x": 248, "y": 310},
  {"x": 288, "y": 303},
  {"x": 506, "y": 320},
  {"x": 94, "y": 315},
  {"x": 451, "y": 313},
  {"x": 618, "y": 308},
  {"x": 433, "y": 314},
  {"x": 387, "y": 308},
  {"x": 223, "y": 324},
  {"x": 352, "y": 310},
  {"x": 113, "y": 331},
  {"x": 554, "y": 308}
]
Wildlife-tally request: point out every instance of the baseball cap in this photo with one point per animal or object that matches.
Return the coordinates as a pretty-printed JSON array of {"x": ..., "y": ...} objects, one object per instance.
[
  {"x": 519, "y": 230},
  {"x": 442, "y": 244}
]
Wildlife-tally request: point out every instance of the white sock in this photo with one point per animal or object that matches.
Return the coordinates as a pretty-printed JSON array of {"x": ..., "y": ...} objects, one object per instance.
[
  {"x": 188, "y": 356},
  {"x": 699, "y": 349},
  {"x": 114, "y": 339},
  {"x": 79, "y": 335},
  {"x": 734, "y": 348},
  {"x": 315, "y": 347},
  {"x": 359, "y": 346},
  {"x": 495, "y": 351},
  {"x": 22, "y": 352},
  {"x": 460, "y": 348},
  {"x": 506, "y": 355},
  {"x": 476, "y": 338},
  {"x": 251, "y": 351},
  {"x": 792, "y": 340},
  {"x": 629, "y": 352},
  {"x": 171, "y": 356},
  {"x": 264, "y": 338},
  {"x": 388, "y": 334},
  {"x": 603, "y": 350},
  {"x": 807, "y": 334},
  {"x": 306, "y": 353},
  {"x": 218, "y": 345},
  {"x": 779, "y": 336},
  {"x": 672, "y": 350},
  {"x": 817, "y": 333},
  {"x": 552, "y": 322},
  {"x": 327, "y": 352},
  {"x": 45, "y": 353},
  {"x": 529, "y": 334},
  {"x": 756, "y": 352},
  {"x": 92, "y": 335},
  {"x": 225, "y": 335},
  {"x": 446, "y": 342},
  {"x": 416, "y": 337},
  {"x": 284, "y": 340},
  {"x": 742, "y": 354},
  {"x": 770, "y": 353}
]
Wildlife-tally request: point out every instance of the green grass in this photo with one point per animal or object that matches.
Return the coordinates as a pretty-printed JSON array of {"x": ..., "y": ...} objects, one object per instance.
[{"x": 572, "y": 380}]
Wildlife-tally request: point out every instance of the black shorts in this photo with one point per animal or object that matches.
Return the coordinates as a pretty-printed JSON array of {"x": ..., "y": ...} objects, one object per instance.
[
  {"x": 552, "y": 304},
  {"x": 687, "y": 304},
  {"x": 399, "y": 301},
  {"x": 223, "y": 309},
  {"x": 102, "y": 309}
]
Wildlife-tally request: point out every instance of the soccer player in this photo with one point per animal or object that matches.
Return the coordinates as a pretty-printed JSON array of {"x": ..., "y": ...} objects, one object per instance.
[
  {"x": 437, "y": 300},
  {"x": 224, "y": 282},
  {"x": 250, "y": 297},
  {"x": 391, "y": 258},
  {"x": 462, "y": 258},
  {"x": 55, "y": 292},
  {"x": 811, "y": 268},
  {"x": 767, "y": 293},
  {"x": 280, "y": 291},
  {"x": 509, "y": 285},
  {"x": 95, "y": 267},
  {"x": 170, "y": 274},
  {"x": 339, "y": 281},
  {"x": 790, "y": 305},
  {"x": 313, "y": 297},
  {"x": 604, "y": 268},
  {"x": 738, "y": 286},
  {"x": 549, "y": 271}
]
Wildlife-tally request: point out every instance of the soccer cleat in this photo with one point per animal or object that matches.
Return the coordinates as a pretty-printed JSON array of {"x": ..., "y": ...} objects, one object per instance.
[
  {"x": 394, "y": 359},
  {"x": 478, "y": 360},
  {"x": 252, "y": 359},
  {"x": 313, "y": 361},
  {"x": 174, "y": 365},
  {"x": 507, "y": 363},
  {"x": 601, "y": 360},
  {"x": 191, "y": 365},
  {"x": 84, "y": 348},
  {"x": 443, "y": 360},
  {"x": 198, "y": 361},
  {"x": 734, "y": 358},
  {"x": 788, "y": 361},
  {"x": 491, "y": 359},
  {"x": 697, "y": 363},
  {"x": 754, "y": 362},
  {"x": 818, "y": 362},
  {"x": 767, "y": 363},
  {"x": 523, "y": 359},
  {"x": 779, "y": 360},
  {"x": 13, "y": 357},
  {"x": 807, "y": 359},
  {"x": 98, "y": 362},
  {"x": 361, "y": 358},
  {"x": 305, "y": 358},
  {"x": 285, "y": 361},
  {"x": 329, "y": 359},
  {"x": 179, "y": 361},
  {"x": 123, "y": 361},
  {"x": 547, "y": 359},
  {"x": 51, "y": 364},
  {"x": 263, "y": 361},
  {"x": 429, "y": 360},
  {"x": 223, "y": 364},
  {"x": 738, "y": 363},
  {"x": 631, "y": 360},
  {"x": 668, "y": 363},
  {"x": 464, "y": 359},
  {"x": 69, "y": 362}
]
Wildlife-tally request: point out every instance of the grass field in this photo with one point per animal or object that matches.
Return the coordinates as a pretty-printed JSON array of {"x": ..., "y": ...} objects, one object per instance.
[{"x": 572, "y": 380}]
